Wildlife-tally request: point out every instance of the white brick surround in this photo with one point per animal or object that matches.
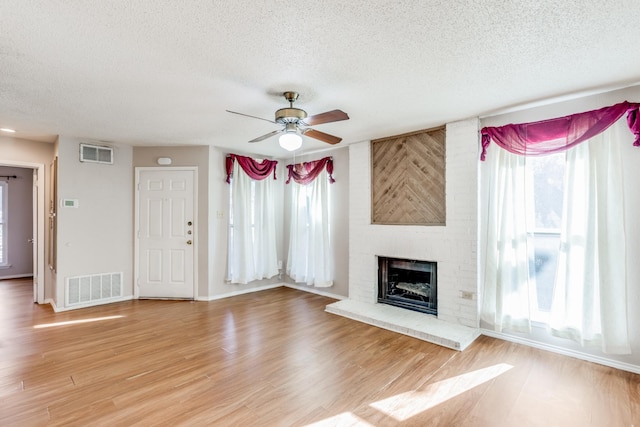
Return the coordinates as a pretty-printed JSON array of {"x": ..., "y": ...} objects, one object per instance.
[{"x": 452, "y": 246}]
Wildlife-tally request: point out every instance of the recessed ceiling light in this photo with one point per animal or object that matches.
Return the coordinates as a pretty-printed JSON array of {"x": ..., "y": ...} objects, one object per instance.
[{"x": 7, "y": 130}]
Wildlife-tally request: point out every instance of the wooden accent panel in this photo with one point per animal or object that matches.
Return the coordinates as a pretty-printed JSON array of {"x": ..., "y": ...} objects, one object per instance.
[{"x": 408, "y": 179}]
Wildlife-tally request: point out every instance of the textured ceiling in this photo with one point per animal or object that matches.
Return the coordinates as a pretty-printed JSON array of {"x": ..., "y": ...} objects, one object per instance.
[{"x": 160, "y": 72}]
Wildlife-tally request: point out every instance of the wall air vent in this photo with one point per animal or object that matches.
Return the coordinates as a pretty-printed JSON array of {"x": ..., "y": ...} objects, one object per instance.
[
  {"x": 96, "y": 154},
  {"x": 92, "y": 289}
]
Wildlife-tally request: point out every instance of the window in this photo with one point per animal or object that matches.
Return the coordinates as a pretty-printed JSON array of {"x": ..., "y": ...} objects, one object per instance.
[
  {"x": 231, "y": 236},
  {"x": 575, "y": 280},
  {"x": 3, "y": 223},
  {"x": 252, "y": 228},
  {"x": 547, "y": 176},
  {"x": 310, "y": 258}
]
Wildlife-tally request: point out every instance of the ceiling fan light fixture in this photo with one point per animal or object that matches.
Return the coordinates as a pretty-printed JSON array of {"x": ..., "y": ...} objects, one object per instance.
[{"x": 290, "y": 141}]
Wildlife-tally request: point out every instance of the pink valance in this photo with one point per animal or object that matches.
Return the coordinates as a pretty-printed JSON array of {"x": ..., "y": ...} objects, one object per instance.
[
  {"x": 559, "y": 134},
  {"x": 257, "y": 170},
  {"x": 304, "y": 173}
]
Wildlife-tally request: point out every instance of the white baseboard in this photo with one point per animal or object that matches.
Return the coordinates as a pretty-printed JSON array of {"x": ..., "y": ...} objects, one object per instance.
[
  {"x": 563, "y": 351},
  {"x": 16, "y": 276},
  {"x": 76, "y": 307},
  {"x": 273, "y": 286},
  {"x": 212, "y": 298},
  {"x": 313, "y": 290},
  {"x": 240, "y": 292}
]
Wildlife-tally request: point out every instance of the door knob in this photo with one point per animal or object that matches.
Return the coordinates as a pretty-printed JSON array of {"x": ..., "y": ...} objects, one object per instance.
[
  {"x": 189, "y": 223},
  {"x": 188, "y": 242}
]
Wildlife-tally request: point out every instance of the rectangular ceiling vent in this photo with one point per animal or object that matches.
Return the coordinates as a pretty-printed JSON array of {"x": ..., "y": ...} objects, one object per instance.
[{"x": 96, "y": 154}]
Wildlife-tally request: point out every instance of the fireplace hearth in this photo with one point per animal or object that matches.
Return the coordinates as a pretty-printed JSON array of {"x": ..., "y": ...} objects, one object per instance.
[{"x": 410, "y": 284}]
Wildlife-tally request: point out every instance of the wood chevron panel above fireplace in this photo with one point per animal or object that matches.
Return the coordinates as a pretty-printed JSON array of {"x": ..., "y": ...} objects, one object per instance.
[{"x": 408, "y": 179}]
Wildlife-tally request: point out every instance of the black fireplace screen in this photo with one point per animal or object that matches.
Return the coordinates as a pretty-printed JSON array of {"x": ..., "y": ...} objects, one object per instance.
[{"x": 409, "y": 284}]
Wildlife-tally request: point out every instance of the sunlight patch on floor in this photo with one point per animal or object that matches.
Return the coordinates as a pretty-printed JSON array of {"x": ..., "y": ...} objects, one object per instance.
[
  {"x": 75, "y": 322},
  {"x": 345, "y": 419},
  {"x": 405, "y": 405}
]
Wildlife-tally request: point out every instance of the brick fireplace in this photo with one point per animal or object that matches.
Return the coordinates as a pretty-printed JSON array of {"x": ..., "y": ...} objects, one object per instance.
[{"x": 452, "y": 247}]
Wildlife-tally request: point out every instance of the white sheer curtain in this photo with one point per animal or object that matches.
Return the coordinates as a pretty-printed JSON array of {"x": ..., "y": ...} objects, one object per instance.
[
  {"x": 589, "y": 304},
  {"x": 508, "y": 291},
  {"x": 310, "y": 258},
  {"x": 252, "y": 242}
]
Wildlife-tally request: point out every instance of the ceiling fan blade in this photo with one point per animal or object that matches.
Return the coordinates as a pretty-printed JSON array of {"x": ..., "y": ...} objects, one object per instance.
[
  {"x": 328, "y": 117},
  {"x": 247, "y": 115},
  {"x": 269, "y": 135},
  {"x": 321, "y": 136}
]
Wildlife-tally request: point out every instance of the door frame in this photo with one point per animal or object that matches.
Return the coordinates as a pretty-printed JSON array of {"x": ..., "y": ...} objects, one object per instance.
[
  {"x": 136, "y": 230},
  {"x": 38, "y": 221}
]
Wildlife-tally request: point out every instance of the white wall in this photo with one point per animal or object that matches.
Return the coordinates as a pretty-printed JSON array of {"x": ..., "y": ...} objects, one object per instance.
[
  {"x": 631, "y": 156},
  {"x": 452, "y": 246},
  {"x": 339, "y": 218},
  {"x": 20, "y": 222},
  {"x": 96, "y": 237}
]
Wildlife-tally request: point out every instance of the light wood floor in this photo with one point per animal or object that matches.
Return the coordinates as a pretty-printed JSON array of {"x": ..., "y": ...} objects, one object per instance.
[{"x": 275, "y": 358}]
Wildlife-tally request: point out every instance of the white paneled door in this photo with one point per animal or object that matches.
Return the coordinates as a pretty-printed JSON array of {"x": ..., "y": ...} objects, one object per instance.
[{"x": 166, "y": 233}]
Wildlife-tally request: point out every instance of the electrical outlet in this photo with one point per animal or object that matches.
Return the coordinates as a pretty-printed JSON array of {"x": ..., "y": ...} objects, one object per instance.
[{"x": 466, "y": 295}]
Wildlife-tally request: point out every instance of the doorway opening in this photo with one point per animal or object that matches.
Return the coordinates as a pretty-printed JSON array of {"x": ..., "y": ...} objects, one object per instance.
[{"x": 36, "y": 171}]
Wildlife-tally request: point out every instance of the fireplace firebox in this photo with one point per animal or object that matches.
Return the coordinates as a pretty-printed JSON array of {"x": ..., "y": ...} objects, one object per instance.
[{"x": 409, "y": 284}]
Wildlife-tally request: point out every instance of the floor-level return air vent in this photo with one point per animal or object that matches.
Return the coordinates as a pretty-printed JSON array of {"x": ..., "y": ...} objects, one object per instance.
[{"x": 93, "y": 288}]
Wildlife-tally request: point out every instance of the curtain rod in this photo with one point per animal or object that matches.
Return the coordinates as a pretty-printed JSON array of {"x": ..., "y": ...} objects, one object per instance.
[{"x": 9, "y": 176}]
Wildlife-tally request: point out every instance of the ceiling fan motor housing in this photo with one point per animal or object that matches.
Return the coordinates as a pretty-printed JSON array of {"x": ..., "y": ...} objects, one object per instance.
[{"x": 290, "y": 115}]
